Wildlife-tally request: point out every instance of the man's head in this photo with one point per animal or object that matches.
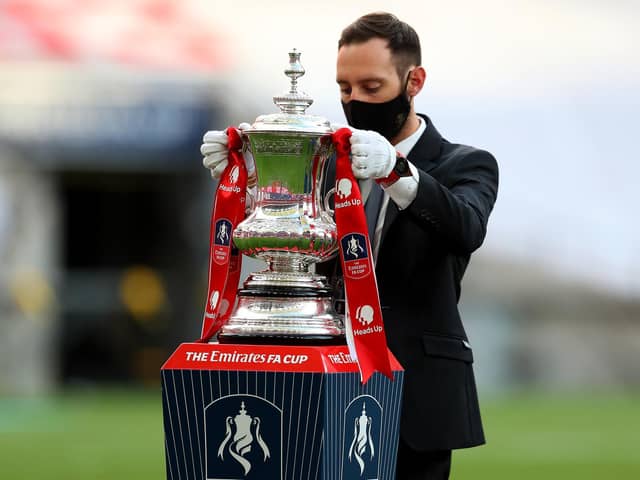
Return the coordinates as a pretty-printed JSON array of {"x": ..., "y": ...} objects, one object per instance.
[
  {"x": 379, "y": 73},
  {"x": 401, "y": 39}
]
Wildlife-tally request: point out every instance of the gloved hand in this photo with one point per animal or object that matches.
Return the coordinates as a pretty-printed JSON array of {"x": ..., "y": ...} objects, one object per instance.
[
  {"x": 371, "y": 144},
  {"x": 372, "y": 156},
  {"x": 214, "y": 148}
]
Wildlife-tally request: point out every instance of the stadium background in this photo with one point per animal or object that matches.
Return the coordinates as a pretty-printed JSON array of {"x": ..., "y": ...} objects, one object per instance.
[{"x": 104, "y": 212}]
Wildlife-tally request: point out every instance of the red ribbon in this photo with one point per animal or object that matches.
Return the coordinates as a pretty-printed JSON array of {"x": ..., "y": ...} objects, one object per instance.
[
  {"x": 364, "y": 315},
  {"x": 225, "y": 260}
]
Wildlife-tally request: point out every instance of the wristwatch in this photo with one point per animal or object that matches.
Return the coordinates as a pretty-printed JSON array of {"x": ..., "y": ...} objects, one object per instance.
[{"x": 400, "y": 169}]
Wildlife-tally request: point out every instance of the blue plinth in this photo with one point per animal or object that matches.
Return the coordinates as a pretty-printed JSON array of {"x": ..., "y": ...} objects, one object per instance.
[{"x": 244, "y": 412}]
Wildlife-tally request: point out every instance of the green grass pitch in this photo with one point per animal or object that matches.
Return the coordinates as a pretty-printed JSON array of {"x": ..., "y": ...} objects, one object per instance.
[{"x": 118, "y": 435}]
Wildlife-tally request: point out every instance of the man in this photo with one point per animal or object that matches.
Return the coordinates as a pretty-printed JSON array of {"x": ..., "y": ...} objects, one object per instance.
[{"x": 430, "y": 201}]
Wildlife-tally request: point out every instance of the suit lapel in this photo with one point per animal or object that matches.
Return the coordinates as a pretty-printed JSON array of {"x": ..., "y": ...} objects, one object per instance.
[{"x": 426, "y": 151}]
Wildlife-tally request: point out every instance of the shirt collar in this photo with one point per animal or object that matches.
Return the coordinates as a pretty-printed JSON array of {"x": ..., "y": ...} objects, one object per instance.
[{"x": 405, "y": 146}]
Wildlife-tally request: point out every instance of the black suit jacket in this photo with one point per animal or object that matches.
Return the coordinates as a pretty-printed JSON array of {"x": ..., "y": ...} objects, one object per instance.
[{"x": 423, "y": 255}]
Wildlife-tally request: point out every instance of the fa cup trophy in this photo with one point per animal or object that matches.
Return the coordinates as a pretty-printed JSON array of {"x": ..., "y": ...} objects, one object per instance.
[{"x": 290, "y": 227}]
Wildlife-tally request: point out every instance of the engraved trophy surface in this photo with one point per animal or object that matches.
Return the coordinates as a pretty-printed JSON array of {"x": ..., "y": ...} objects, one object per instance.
[{"x": 290, "y": 228}]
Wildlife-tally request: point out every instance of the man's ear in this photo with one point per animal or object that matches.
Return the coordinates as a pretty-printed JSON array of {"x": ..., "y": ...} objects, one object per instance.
[{"x": 417, "y": 79}]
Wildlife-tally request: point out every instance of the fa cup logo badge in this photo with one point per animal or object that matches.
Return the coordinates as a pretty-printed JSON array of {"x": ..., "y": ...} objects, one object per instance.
[
  {"x": 221, "y": 247},
  {"x": 362, "y": 441},
  {"x": 243, "y": 438},
  {"x": 354, "y": 248},
  {"x": 223, "y": 233},
  {"x": 355, "y": 254},
  {"x": 362, "y": 447},
  {"x": 242, "y": 432}
]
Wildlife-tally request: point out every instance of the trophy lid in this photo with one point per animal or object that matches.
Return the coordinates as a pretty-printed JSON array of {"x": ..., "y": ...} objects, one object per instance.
[{"x": 293, "y": 104}]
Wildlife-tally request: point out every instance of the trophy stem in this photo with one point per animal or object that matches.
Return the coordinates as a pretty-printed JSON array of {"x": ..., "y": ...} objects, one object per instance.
[{"x": 288, "y": 264}]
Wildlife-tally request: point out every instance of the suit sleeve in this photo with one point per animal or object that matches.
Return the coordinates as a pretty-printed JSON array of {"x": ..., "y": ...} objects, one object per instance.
[{"x": 458, "y": 209}]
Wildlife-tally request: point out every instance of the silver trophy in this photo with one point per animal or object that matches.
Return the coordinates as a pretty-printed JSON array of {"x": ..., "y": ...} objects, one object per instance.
[{"x": 290, "y": 227}]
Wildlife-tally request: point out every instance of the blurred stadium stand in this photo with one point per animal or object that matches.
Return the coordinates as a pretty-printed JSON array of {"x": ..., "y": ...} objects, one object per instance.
[{"x": 104, "y": 217}]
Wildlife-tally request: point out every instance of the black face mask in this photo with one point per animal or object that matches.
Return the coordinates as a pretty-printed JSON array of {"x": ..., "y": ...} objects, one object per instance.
[{"x": 385, "y": 118}]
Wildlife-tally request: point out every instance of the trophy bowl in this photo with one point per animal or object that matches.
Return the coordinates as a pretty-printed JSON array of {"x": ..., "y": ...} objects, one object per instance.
[{"x": 290, "y": 227}]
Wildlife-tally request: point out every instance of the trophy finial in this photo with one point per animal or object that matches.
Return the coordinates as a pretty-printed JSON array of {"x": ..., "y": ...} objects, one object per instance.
[
  {"x": 295, "y": 69},
  {"x": 294, "y": 101}
]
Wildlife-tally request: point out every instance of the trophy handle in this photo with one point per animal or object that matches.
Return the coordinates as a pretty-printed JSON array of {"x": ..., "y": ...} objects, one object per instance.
[{"x": 327, "y": 208}]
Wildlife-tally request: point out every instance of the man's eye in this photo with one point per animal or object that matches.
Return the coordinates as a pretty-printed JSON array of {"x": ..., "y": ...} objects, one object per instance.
[
  {"x": 371, "y": 89},
  {"x": 345, "y": 90}
]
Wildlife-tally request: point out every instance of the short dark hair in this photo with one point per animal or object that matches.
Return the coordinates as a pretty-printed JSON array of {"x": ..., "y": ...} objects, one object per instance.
[{"x": 401, "y": 38}]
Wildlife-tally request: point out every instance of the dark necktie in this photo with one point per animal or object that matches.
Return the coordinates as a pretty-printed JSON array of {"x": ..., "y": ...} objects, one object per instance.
[{"x": 372, "y": 210}]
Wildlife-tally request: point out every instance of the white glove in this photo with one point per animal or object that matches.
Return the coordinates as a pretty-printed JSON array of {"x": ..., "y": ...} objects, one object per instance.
[
  {"x": 214, "y": 148},
  {"x": 372, "y": 156}
]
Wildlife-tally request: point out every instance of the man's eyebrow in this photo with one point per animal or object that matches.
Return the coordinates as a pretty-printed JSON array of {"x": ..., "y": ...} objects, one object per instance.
[{"x": 363, "y": 80}]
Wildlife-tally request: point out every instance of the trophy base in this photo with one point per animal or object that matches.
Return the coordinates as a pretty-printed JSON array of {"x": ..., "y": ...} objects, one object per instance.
[{"x": 272, "y": 314}]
